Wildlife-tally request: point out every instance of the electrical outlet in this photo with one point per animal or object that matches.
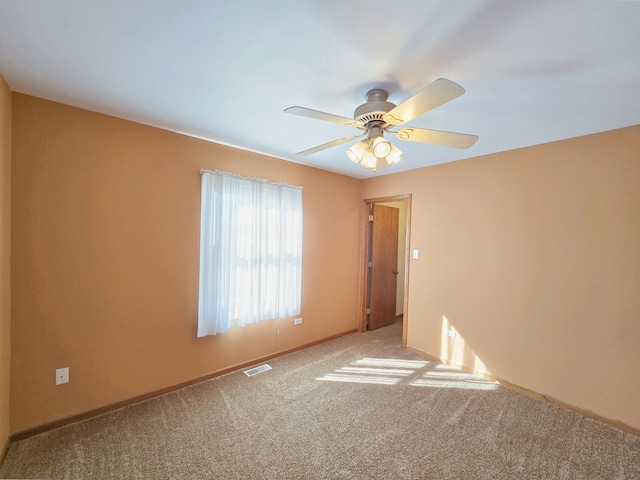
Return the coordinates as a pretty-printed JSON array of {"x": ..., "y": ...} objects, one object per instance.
[
  {"x": 450, "y": 333},
  {"x": 298, "y": 321},
  {"x": 62, "y": 375}
]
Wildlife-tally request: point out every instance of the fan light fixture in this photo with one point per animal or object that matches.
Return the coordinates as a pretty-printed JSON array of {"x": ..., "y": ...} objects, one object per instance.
[
  {"x": 377, "y": 116},
  {"x": 374, "y": 152}
]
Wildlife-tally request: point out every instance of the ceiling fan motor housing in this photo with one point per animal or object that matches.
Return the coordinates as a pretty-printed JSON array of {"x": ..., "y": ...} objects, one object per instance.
[{"x": 375, "y": 107}]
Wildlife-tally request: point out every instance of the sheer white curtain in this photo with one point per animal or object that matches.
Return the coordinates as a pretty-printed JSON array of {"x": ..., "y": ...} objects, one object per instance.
[{"x": 250, "y": 251}]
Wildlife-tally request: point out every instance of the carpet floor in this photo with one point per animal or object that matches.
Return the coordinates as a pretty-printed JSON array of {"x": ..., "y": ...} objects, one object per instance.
[{"x": 358, "y": 407}]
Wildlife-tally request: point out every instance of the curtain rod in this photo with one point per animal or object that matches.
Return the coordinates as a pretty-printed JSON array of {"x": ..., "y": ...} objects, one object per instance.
[{"x": 254, "y": 179}]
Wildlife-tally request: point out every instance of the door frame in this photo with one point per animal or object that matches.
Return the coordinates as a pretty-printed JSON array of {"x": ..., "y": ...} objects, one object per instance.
[{"x": 364, "y": 255}]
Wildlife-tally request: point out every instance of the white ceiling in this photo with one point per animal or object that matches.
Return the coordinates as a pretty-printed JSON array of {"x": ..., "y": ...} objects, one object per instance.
[{"x": 534, "y": 71}]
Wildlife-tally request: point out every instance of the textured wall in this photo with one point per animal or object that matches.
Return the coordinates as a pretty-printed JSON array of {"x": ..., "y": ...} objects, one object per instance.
[
  {"x": 105, "y": 261},
  {"x": 533, "y": 257},
  {"x": 5, "y": 259}
]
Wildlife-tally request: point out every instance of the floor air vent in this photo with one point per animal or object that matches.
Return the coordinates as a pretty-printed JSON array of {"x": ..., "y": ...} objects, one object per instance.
[{"x": 256, "y": 370}]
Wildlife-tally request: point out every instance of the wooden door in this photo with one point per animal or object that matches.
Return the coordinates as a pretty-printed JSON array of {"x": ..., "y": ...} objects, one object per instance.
[{"x": 383, "y": 267}]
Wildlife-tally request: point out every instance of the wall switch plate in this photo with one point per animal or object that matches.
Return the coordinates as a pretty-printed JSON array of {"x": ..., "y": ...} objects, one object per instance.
[
  {"x": 62, "y": 375},
  {"x": 415, "y": 254},
  {"x": 298, "y": 321},
  {"x": 450, "y": 333}
]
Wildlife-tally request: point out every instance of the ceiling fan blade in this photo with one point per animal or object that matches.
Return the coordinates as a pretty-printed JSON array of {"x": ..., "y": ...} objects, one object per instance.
[
  {"x": 432, "y": 96},
  {"x": 436, "y": 137},
  {"x": 324, "y": 146},
  {"x": 329, "y": 117}
]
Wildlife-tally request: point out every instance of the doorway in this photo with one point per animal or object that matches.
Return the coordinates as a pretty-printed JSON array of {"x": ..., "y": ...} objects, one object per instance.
[{"x": 372, "y": 241}]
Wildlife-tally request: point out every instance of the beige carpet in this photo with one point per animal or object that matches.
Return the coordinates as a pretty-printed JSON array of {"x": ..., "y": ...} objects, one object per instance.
[{"x": 356, "y": 407}]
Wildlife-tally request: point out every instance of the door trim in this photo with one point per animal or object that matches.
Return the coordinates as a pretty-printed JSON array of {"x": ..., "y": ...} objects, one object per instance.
[{"x": 364, "y": 255}]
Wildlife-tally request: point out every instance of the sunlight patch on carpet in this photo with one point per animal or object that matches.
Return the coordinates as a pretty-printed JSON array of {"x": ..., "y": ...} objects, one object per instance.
[
  {"x": 340, "y": 377},
  {"x": 445, "y": 376},
  {"x": 378, "y": 371},
  {"x": 391, "y": 371},
  {"x": 467, "y": 385}
]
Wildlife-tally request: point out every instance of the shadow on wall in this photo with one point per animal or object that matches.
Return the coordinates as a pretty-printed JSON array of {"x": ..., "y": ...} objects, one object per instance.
[{"x": 455, "y": 349}]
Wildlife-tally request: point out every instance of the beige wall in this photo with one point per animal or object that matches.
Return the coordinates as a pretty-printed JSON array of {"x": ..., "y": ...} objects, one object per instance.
[
  {"x": 5, "y": 260},
  {"x": 533, "y": 257},
  {"x": 105, "y": 260}
]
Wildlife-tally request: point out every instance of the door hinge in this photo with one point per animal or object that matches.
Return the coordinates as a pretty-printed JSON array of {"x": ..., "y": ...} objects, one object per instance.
[
  {"x": 371, "y": 218},
  {"x": 368, "y": 311},
  {"x": 370, "y": 264}
]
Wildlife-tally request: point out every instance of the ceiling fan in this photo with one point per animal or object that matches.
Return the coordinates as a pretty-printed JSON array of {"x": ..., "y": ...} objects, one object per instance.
[{"x": 377, "y": 116}]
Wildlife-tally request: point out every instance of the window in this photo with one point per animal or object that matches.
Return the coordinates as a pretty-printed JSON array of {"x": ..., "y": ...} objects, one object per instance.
[{"x": 250, "y": 251}]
